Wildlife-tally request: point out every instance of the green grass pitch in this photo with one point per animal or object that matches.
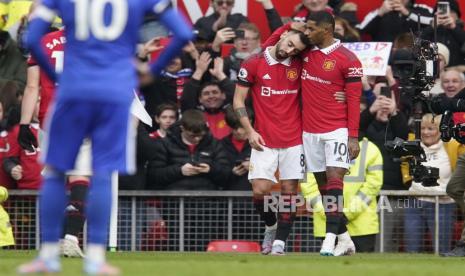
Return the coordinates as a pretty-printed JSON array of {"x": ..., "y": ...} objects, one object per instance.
[{"x": 222, "y": 264}]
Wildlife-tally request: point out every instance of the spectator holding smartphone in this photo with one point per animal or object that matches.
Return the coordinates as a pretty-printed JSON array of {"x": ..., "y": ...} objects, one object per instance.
[
  {"x": 450, "y": 31},
  {"x": 189, "y": 158}
]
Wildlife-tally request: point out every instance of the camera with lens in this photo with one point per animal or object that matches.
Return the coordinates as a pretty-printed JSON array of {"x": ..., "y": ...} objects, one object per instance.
[{"x": 413, "y": 153}]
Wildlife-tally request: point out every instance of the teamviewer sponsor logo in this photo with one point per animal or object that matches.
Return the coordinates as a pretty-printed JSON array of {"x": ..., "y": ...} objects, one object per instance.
[
  {"x": 266, "y": 91},
  {"x": 306, "y": 76}
]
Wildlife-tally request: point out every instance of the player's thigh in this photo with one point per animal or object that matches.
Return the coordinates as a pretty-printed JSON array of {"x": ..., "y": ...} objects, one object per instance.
[
  {"x": 83, "y": 164},
  {"x": 291, "y": 163},
  {"x": 336, "y": 148},
  {"x": 263, "y": 164},
  {"x": 65, "y": 130},
  {"x": 314, "y": 151},
  {"x": 113, "y": 139}
]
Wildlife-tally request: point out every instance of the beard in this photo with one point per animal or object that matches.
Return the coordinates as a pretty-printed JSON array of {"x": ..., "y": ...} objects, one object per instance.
[{"x": 280, "y": 54}]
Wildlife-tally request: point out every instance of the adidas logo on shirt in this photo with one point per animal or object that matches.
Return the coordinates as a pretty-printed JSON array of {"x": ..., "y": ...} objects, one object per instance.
[{"x": 266, "y": 77}]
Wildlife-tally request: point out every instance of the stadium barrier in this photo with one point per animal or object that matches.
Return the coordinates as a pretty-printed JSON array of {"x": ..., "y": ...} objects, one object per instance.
[{"x": 189, "y": 220}]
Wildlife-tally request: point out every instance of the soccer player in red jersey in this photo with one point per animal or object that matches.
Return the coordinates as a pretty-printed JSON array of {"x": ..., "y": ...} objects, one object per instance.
[
  {"x": 78, "y": 180},
  {"x": 330, "y": 127},
  {"x": 272, "y": 77}
]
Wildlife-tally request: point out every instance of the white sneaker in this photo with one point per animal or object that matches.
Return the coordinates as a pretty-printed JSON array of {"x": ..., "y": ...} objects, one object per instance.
[
  {"x": 268, "y": 239},
  {"x": 327, "y": 247},
  {"x": 278, "y": 249},
  {"x": 69, "y": 248},
  {"x": 345, "y": 248}
]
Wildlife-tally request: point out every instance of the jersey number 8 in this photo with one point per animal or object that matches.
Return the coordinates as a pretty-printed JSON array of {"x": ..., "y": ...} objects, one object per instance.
[{"x": 89, "y": 17}]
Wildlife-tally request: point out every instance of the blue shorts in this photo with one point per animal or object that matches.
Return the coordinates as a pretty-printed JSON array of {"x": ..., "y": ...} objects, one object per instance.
[{"x": 110, "y": 127}]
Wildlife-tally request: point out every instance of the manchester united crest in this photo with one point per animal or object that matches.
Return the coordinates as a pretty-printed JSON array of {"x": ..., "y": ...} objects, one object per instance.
[
  {"x": 329, "y": 64},
  {"x": 292, "y": 74}
]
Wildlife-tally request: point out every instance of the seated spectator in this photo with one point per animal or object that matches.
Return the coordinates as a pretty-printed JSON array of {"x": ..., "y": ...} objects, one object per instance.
[
  {"x": 421, "y": 210},
  {"x": 188, "y": 158},
  {"x": 244, "y": 47},
  {"x": 221, "y": 18},
  {"x": 344, "y": 31},
  {"x": 394, "y": 17},
  {"x": 303, "y": 9},
  {"x": 165, "y": 116},
  {"x": 238, "y": 152},
  {"x": 209, "y": 97},
  {"x": 450, "y": 32}
]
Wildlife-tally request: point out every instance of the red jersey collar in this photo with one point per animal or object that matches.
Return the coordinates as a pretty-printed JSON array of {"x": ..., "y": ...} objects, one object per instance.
[
  {"x": 272, "y": 61},
  {"x": 328, "y": 50}
]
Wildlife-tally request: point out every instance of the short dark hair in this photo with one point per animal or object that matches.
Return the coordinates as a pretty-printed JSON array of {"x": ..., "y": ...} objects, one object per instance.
[
  {"x": 193, "y": 120},
  {"x": 209, "y": 83},
  {"x": 321, "y": 18},
  {"x": 166, "y": 106},
  {"x": 233, "y": 121},
  {"x": 302, "y": 37}
]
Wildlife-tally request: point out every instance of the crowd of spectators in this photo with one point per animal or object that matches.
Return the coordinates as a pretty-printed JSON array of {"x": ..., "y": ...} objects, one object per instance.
[{"x": 197, "y": 143}]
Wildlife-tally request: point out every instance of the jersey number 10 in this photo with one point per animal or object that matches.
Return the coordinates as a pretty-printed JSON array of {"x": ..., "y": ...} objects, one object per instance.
[{"x": 89, "y": 18}]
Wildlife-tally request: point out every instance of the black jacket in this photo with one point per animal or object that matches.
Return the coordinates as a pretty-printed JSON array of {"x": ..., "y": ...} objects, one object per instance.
[
  {"x": 204, "y": 25},
  {"x": 376, "y": 132},
  {"x": 454, "y": 40},
  {"x": 388, "y": 26},
  {"x": 164, "y": 170},
  {"x": 235, "y": 182}
]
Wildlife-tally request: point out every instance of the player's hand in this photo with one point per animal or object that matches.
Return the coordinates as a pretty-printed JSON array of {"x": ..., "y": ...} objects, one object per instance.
[
  {"x": 340, "y": 96},
  {"x": 189, "y": 170},
  {"x": 203, "y": 168},
  {"x": 26, "y": 138},
  {"x": 299, "y": 26},
  {"x": 17, "y": 172},
  {"x": 256, "y": 141},
  {"x": 354, "y": 148}
]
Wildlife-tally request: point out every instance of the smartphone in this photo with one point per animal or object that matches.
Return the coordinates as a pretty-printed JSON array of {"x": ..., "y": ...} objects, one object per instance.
[
  {"x": 239, "y": 33},
  {"x": 195, "y": 164},
  {"x": 386, "y": 91},
  {"x": 443, "y": 7},
  {"x": 238, "y": 163}
]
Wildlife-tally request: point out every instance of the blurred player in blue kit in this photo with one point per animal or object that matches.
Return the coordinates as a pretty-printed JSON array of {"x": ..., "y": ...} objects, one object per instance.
[{"x": 94, "y": 94}]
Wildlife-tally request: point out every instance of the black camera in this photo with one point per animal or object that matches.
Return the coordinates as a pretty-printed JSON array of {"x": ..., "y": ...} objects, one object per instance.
[
  {"x": 449, "y": 130},
  {"x": 413, "y": 153}
]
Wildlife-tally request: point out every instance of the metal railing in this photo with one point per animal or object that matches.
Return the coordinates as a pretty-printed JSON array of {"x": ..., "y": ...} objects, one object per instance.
[{"x": 188, "y": 220}]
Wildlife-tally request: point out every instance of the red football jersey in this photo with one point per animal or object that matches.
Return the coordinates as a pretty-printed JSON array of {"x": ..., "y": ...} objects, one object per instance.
[
  {"x": 53, "y": 44},
  {"x": 28, "y": 160},
  {"x": 326, "y": 71},
  {"x": 275, "y": 89},
  {"x": 5, "y": 179}
]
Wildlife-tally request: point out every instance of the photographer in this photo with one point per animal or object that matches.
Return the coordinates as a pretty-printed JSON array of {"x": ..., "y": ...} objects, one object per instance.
[{"x": 421, "y": 210}]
